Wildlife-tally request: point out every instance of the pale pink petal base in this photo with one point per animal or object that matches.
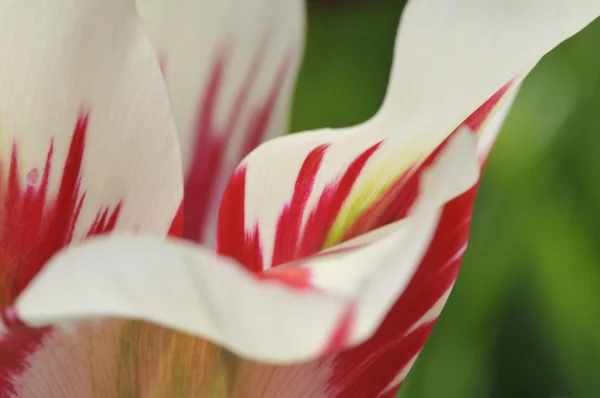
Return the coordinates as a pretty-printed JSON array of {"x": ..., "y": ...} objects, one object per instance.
[{"x": 122, "y": 359}]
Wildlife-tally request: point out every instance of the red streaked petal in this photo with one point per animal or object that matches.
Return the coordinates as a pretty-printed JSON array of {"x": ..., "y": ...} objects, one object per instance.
[
  {"x": 230, "y": 69},
  {"x": 233, "y": 240},
  {"x": 289, "y": 228},
  {"x": 208, "y": 161},
  {"x": 33, "y": 227}
]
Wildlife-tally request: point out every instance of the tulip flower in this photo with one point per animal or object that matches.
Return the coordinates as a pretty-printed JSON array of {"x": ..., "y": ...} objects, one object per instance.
[{"x": 335, "y": 250}]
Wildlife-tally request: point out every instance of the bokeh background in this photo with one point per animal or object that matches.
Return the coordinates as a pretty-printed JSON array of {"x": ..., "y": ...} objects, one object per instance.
[{"x": 524, "y": 317}]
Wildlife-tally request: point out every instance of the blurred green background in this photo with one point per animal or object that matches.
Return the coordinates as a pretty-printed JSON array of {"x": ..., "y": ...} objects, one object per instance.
[{"x": 524, "y": 317}]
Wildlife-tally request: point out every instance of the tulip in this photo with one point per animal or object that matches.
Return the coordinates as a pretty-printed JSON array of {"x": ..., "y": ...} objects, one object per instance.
[{"x": 335, "y": 250}]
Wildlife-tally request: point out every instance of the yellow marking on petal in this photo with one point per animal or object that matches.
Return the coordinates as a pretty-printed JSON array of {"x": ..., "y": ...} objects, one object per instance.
[{"x": 369, "y": 188}]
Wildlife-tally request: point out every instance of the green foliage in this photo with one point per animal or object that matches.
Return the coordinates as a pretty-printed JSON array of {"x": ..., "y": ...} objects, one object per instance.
[{"x": 523, "y": 320}]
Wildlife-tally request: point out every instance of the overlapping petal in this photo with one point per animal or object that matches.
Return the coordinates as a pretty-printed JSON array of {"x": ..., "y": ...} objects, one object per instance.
[{"x": 230, "y": 66}]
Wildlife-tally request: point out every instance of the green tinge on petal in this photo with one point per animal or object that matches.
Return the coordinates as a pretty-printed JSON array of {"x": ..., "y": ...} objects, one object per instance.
[
  {"x": 158, "y": 362},
  {"x": 369, "y": 189}
]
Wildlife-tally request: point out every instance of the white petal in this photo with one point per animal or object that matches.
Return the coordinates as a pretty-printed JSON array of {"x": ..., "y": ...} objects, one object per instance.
[
  {"x": 245, "y": 54},
  {"x": 62, "y": 61},
  {"x": 187, "y": 288},
  {"x": 452, "y": 55}
]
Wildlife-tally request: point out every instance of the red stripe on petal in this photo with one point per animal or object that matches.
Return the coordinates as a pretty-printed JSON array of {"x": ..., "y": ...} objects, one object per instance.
[
  {"x": 287, "y": 237},
  {"x": 176, "y": 228},
  {"x": 206, "y": 158},
  {"x": 33, "y": 228},
  {"x": 15, "y": 348},
  {"x": 295, "y": 277},
  {"x": 208, "y": 163},
  {"x": 105, "y": 220},
  {"x": 232, "y": 238},
  {"x": 259, "y": 123},
  {"x": 378, "y": 369},
  {"x": 341, "y": 333},
  {"x": 477, "y": 118}
]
